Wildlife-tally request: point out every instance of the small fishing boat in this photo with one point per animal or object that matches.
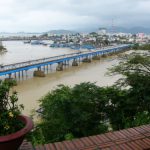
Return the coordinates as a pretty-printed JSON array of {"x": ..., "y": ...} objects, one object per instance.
[{"x": 27, "y": 42}]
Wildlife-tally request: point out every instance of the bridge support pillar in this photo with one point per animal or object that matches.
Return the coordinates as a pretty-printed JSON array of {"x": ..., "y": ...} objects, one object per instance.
[
  {"x": 86, "y": 60},
  {"x": 39, "y": 73},
  {"x": 15, "y": 75},
  {"x": 26, "y": 73},
  {"x": 47, "y": 68},
  {"x": 39, "y": 68},
  {"x": 65, "y": 63},
  {"x": 68, "y": 62},
  {"x": 9, "y": 76},
  {"x": 79, "y": 59},
  {"x": 51, "y": 67},
  {"x": 74, "y": 63},
  {"x": 59, "y": 67},
  {"x": 22, "y": 73},
  {"x": 104, "y": 55},
  {"x": 96, "y": 57},
  {"x": 19, "y": 75},
  {"x": 44, "y": 68}
]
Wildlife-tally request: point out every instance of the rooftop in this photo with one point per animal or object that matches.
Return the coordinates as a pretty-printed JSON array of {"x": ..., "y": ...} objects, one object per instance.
[{"x": 137, "y": 138}]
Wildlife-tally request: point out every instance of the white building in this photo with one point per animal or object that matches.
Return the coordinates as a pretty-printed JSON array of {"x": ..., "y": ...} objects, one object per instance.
[{"x": 140, "y": 37}]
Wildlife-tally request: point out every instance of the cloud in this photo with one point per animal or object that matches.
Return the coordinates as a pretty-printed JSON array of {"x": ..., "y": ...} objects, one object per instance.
[{"x": 43, "y": 15}]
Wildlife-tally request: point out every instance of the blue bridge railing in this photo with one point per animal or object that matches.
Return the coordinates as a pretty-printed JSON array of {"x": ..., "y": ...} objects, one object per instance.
[{"x": 27, "y": 65}]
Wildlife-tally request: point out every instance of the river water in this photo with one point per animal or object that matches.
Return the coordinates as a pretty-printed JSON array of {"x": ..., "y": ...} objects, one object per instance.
[
  {"x": 32, "y": 89},
  {"x": 19, "y": 52}
]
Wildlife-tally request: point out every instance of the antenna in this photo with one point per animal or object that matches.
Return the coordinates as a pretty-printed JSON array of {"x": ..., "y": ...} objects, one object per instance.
[{"x": 112, "y": 26}]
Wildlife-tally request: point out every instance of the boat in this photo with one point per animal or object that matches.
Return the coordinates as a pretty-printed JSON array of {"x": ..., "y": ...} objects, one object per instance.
[
  {"x": 37, "y": 42},
  {"x": 27, "y": 42}
]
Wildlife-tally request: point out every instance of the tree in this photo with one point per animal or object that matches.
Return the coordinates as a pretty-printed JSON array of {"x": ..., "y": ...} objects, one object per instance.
[
  {"x": 136, "y": 70},
  {"x": 73, "y": 112},
  {"x": 141, "y": 47},
  {"x": 2, "y": 49}
]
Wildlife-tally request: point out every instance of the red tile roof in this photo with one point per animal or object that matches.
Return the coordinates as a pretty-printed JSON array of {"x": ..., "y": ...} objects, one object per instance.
[{"x": 137, "y": 138}]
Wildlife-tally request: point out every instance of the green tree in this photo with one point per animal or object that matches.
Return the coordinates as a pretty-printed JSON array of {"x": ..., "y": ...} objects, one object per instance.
[
  {"x": 136, "y": 71},
  {"x": 141, "y": 47},
  {"x": 73, "y": 112},
  {"x": 2, "y": 49}
]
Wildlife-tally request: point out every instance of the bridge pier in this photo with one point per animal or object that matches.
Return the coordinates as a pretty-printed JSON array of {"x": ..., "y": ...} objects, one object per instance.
[
  {"x": 44, "y": 68},
  {"x": 19, "y": 74},
  {"x": 51, "y": 67},
  {"x": 22, "y": 74},
  {"x": 104, "y": 55},
  {"x": 60, "y": 66},
  {"x": 86, "y": 60},
  {"x": 38, "y": 73},
  {"x": 66, "y": 63},
  {"x": 26, "y": 73},
  {"x": 96, "y": 57},
  {"x": 39, "y": 68},
  {"x": 47, "y": 68},
  {"x": 79, "y": 59},
  {"x": 15, "y": 75},
  {"x": 9, "y": 76},
  {"x": 74, "y": 63}
]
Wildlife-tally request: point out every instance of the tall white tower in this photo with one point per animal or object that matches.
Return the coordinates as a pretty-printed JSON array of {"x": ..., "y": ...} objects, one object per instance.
[{"x": 113, "y": 26}]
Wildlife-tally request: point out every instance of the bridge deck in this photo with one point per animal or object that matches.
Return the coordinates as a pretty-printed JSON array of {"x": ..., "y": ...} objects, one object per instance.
[{"x": 16, "y": 67}]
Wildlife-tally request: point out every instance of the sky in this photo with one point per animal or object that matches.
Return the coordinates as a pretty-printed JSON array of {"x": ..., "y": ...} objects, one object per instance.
[{"x": 46, "y": 15}]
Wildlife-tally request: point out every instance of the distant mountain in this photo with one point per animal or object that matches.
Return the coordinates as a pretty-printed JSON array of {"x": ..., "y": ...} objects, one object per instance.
[
  {"x": 133, "y": 30},
  {"x": 21, "y": 34},
  {"x": 62, "y": 32},
  {"x": 140, "y": 29}
]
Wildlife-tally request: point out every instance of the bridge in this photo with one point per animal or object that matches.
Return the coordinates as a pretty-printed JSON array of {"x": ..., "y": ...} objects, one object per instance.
[{"x": 61, "y": 59}]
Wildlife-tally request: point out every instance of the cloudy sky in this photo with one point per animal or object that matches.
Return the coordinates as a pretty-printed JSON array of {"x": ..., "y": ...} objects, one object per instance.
[{"x": 45, "y": 15}]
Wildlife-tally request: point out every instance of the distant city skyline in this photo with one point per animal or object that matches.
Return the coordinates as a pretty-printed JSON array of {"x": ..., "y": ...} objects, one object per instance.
[{"x": 45, "y": 15}]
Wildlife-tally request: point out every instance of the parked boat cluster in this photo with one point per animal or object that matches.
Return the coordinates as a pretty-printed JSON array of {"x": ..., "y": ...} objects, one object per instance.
[
  {"x": 61, "y": 45},
  {"x": 72, "y": 46}
]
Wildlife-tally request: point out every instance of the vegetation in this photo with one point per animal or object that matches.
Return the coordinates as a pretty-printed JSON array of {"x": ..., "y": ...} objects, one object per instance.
[
  {"x": 2, "y": 49},
  {"x": 136, "y": 105},
  {"x": 141, "y": 47},
  {"x": 87, "y": 109},
  {"x": 69, "y": 114},
  {"x": 9, "y": 109}
]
